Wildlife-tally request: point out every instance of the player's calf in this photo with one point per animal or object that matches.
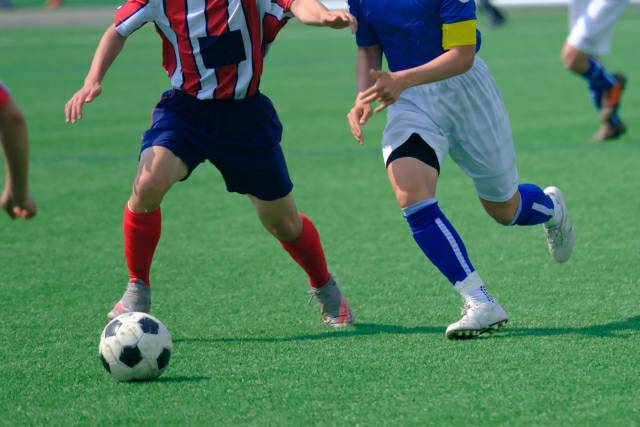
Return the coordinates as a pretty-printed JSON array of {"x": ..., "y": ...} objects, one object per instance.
[
  {"x": 612, "y": 126},
  {"x": 502, "y": 212}
]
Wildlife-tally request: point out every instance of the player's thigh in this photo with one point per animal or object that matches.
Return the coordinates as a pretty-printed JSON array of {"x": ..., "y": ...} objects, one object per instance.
[
  {"x": 413, "y": 170},
  {"x": 414, "y": 114},
  {"x": 482, "y": 143},
  {"x": 494, "y": 173},
  {"x": 413, "y": 147},
  {"x": 159, "y": 168}
]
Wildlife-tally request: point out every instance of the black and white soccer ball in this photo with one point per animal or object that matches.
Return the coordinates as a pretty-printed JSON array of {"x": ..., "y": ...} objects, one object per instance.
[{"x": 135, "y": 346}]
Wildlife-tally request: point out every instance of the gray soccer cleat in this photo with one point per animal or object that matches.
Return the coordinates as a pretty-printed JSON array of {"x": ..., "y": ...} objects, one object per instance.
[
  {"x": 477, "y": 318},
  {"x": 333, "y": 305},
  {"x": 560, "y": 237},
  {"x": 137, "y": 298}
]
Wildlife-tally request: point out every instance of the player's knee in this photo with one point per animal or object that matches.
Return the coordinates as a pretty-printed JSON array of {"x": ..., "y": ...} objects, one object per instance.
[
  {"x": 569, "y": 62},
  {"x": 570, "y": 58},
  {"x": 285, "y": 228},
  {"x": 149, "y": 189},
  {"x": 409, "y": 197}
]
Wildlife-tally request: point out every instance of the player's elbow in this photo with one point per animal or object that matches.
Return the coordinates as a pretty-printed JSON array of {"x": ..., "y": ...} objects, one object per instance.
[
  {"x": 466, "y": 62},
  {"x": 464, "y": 57}
]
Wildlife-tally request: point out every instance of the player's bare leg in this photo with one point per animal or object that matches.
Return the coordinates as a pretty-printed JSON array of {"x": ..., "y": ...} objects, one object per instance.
[
  {"x": 301, "y": 240},
  {"x": 606, "y": 90},
  {"x": 15, "y": 199},
  {"x": 158, "y": 170},
  {"x": 414, "y": 184}
]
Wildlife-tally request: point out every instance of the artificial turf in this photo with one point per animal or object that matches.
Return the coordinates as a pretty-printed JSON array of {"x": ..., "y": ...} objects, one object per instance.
[{"x": 247, "y": 349}]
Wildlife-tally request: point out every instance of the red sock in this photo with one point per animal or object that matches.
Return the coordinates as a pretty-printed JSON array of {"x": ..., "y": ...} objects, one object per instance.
[
  {"x": 307, "y": 251},
  {"x": 141, "y": 235}
]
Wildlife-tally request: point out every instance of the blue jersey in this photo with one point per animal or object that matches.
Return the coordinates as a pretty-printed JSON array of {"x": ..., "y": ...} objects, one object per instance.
[{"x": 413, "y": 32}]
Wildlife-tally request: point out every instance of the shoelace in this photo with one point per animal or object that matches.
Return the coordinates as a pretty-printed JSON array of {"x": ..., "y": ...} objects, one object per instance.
[
  {"x": 466, "y": 306},
  {"x": 313, "y": 293}
]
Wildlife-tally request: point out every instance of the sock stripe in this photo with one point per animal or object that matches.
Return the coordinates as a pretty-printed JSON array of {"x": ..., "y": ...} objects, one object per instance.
[
  {"x": 454, "y": 245},
  {"x": 542, "y": 209}
]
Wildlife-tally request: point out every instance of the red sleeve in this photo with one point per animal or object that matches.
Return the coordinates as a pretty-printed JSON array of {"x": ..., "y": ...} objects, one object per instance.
[
  {"x": 271, "y": 26},
  {"x": 132, "y": 15},
  {"x": 4, "y": 96},
  {"x": 285, "y": 4}
]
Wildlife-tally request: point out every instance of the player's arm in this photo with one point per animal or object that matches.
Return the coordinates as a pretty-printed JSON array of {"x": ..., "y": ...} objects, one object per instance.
[
  {"x": 15, "y": 198},
  {"x": 108, "y": 50},
  {"x": 369, "y": 59},
  {"x": 459, "y": 39},
  {"x": 312, "y": 12},
  {"x": 389, "y": 86}
]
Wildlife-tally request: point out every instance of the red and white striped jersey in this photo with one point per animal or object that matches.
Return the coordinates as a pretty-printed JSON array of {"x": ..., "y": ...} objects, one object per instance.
[{"x": 212, "y": 49}]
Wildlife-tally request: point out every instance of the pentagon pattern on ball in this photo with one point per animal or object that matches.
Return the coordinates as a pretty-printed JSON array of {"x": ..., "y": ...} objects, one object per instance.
[
  {"x": 130, "y": 356},
  {"x": 112, "y": 328},
  {"x": 163, "y": 359},
  {"x": 105, "y": 363},
  {"x": 149, "y": 326}
]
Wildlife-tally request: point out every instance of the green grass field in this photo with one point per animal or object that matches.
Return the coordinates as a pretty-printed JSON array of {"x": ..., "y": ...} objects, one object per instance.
[{"x": 247, "y": 349}]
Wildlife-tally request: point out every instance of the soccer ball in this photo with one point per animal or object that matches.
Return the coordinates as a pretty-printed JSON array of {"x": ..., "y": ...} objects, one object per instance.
[{"x": 135, "y": 346}]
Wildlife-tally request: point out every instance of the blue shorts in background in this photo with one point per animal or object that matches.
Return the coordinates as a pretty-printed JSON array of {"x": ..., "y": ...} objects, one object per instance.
[{"x": 240, "y": 137}]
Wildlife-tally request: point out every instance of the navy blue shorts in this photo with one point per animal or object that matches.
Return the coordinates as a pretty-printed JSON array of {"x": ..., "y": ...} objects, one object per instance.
[{"x": 240, "y": 137}]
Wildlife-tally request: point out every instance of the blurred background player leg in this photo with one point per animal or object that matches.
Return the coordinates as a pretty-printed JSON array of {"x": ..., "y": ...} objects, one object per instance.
[
  {"x": 299, "y": 237},
  {"x": 495, "y": 15},
  {"x": 15, "y": 199},
  {"x": 53, "y": 4},
  {"x": 592, "y": 23}
]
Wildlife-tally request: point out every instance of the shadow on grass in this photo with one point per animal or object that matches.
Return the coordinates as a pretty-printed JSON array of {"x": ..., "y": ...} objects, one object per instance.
[
  {"x": 606, "y": 330},
  {"x": 360, "y": 329},
  {"x": 182, "y": 379}
]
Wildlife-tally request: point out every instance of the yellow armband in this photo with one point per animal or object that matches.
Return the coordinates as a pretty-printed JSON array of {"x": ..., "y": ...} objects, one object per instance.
[{"x": 458, "y": 34}]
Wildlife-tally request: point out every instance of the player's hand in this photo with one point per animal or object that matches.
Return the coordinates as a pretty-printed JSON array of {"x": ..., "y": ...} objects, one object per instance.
[
  {"x": 73, "y": 108},
  {"x": 339, "y": 19},
  {"x": 387, "y": 89},
  {"x": 358, "y": 117},
  {"x": 18, "y": 208}
]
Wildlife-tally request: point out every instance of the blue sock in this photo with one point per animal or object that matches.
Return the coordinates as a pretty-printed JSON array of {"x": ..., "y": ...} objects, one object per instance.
[
  {"x": 599, "y": 80},
  {"x": 535, "y": 206},
  {"x": 439, "y": 240}
]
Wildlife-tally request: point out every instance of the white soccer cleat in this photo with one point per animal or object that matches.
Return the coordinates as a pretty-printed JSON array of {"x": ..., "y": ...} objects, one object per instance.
[
  {"x": 477, "y": 318},
  {"x": 560, "y": 237}
]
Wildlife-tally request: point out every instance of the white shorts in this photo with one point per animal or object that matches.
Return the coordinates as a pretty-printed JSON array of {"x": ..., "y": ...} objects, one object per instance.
[
  {"x": 464, "y": 116},
  {"x": 591, "y": 23}
]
